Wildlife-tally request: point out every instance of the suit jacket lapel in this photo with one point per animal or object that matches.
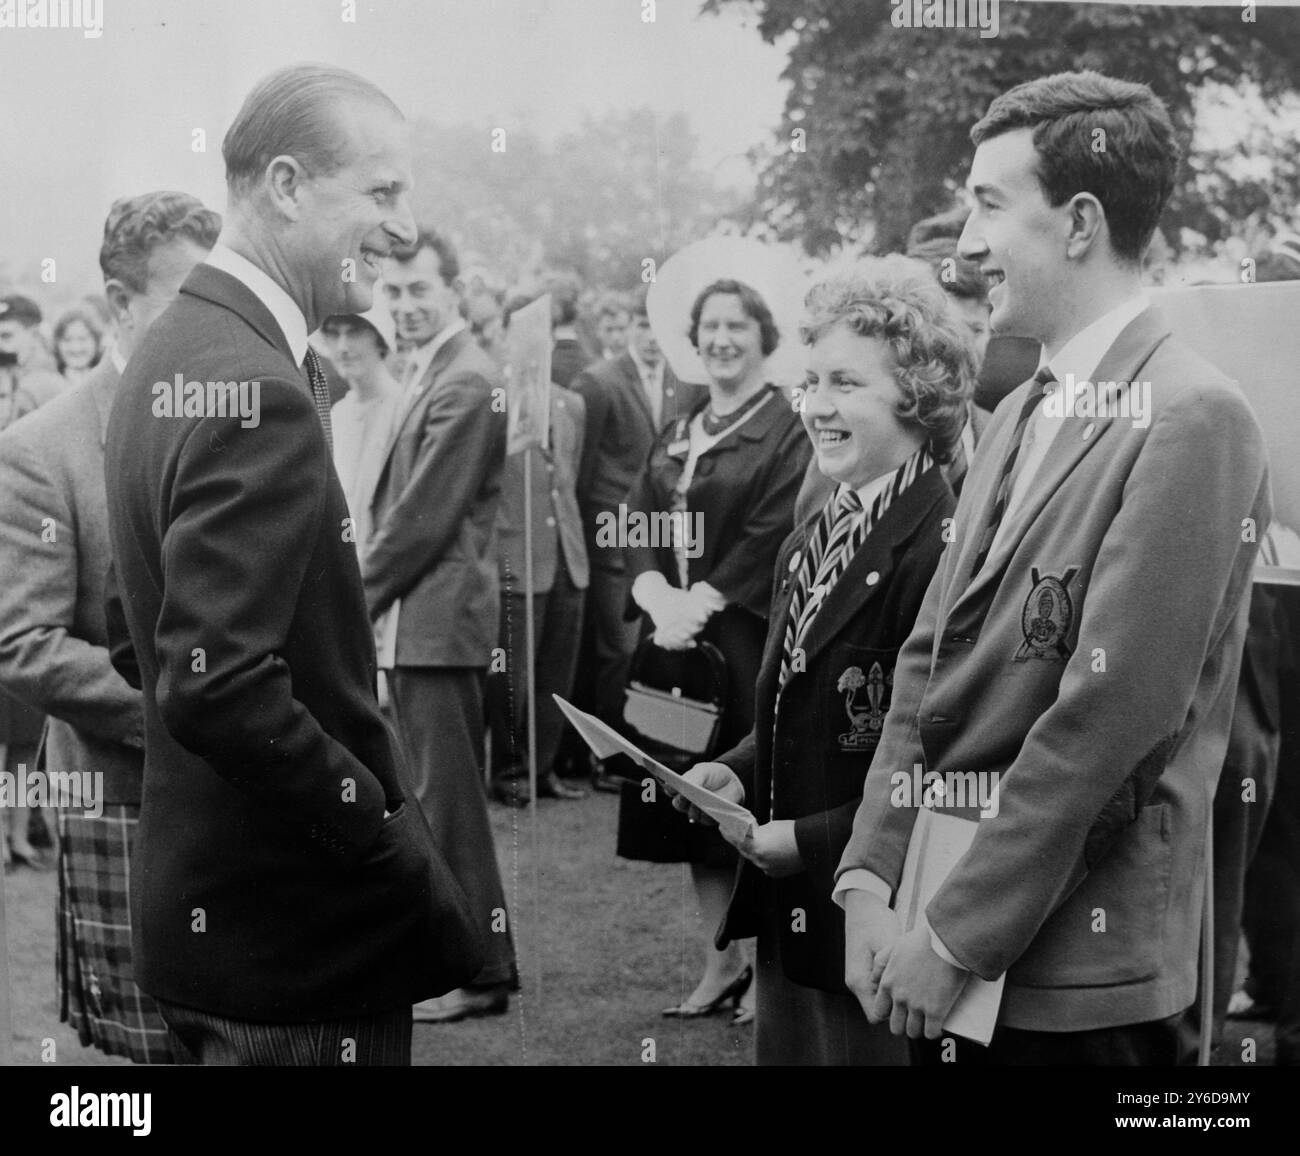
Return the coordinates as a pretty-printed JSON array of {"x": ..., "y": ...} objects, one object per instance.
[
  {"x": 1075, "y": 437},
  {"x": 220, "y": 288},
  {"x": 632, "y": 382},
  {"x": 416, "y": 398},
  {"x": 103, "y": 386},
  {"x": 855, "y": 587}
]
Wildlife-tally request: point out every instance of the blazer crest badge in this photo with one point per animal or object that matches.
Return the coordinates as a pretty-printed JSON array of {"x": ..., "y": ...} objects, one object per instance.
[
  {"x": 866, "y": 702},
  {"x": 1047, "y": 616}
]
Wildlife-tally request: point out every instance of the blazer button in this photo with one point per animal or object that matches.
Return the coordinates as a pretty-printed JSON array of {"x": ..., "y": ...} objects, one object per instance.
[
  {"x": 873, "y": 577},
  {"x": 550, "y": 521}
]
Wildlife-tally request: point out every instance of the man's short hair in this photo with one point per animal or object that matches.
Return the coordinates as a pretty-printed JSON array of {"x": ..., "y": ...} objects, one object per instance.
[
  {"x": 443, "y": 249},
  {"x": 611, "y": 305},
  {"x": 136, "y": 226},
  {"x": 896, "y": 301},
  {"x": 1094, "y": 134},
  {"x": 563, "y": 288},
  {"x": 290, "y": 113}
]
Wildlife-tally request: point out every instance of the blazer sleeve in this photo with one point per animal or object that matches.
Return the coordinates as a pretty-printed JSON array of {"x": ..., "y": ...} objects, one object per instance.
[
  {"x": 121, "y": 650},
  {"x": 1160, "y": 599},
  {"x": 245, "y": 519},
  {"x": 42, "y": 660},
  {"x": 742, "y": 759},
  {"x": 743, "y": 574},
  {"x": 462, "y": 442},
  {"x": 597, "y": 402},
  {"x": 646, "y": 498}
]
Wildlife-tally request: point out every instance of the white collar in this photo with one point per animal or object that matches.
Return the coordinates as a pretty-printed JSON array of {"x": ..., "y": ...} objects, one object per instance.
[
  {"x": 280, "y": 305},
  {"x": 115, "y": 356},
  {"x": 422, "y": 357},
  {"x": 1082, "y": 354}
]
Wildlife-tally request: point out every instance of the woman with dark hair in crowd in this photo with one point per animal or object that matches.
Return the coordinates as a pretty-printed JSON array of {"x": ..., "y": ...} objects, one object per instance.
[
  {"x": 890, "y": 370},
  {"x": 78, "y": 344},
  {"x": 727, "y": 474}
]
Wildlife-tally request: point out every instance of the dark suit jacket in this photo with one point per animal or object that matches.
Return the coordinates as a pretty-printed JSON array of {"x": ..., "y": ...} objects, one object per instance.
[
  {"x": 53, "y": 638},
  {"x": 434, "y": 513},
  {"x": 742, "y": 493},
  {"x": 620, "y": 431},
  {"x": 557, "y": 524},
  {"x": 821, "y": 743},
  {"x": 267, "y": 885},
  {"x": 567, "y": 358}
]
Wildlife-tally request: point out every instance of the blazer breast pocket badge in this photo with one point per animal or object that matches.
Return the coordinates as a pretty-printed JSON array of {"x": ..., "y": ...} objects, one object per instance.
[
  {"x": 866, "y": 702},
  {"x": 1047, "y": 616}
]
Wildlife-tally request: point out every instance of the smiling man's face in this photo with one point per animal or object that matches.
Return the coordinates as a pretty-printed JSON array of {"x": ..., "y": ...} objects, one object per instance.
[{"x": 1017, "y": 238}]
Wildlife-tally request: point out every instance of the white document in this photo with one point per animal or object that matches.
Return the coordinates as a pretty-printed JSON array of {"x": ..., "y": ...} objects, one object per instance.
[
  {"x": 938, "y": 842},
  {"x": 733, "y": 819}
]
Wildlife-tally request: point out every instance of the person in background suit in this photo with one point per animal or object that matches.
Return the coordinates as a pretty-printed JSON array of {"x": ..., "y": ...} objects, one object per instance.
[
  {"x": 430, "y": 567},
  {"x": 890, "y": 373},
  {"x": 289, "y": 906},
  {"x": 612, "y": 322},
  {"x": 1079, "y": 646},
  {"x": 54, "y": 640},
  {"x": 568, "y": 355},
  {"x": 630, "y": 401},
  {"x": 560, "y": 577},
  {"x": 727, "y": 472}
]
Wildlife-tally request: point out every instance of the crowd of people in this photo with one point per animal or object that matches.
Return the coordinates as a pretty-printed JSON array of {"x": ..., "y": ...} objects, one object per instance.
[{"x": 293, "y": 645}]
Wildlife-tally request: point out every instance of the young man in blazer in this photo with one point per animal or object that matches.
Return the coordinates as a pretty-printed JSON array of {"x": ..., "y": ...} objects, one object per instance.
[
  {"x": 1081, "y": 640},
  {"x": 431, "y": 567},
  {"x": 288, "y": 905}
]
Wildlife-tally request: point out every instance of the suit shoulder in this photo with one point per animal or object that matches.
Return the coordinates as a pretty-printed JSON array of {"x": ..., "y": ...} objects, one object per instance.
[
  {"x": 47, "y": 428},
  {"x": 1181, "y": 379}
]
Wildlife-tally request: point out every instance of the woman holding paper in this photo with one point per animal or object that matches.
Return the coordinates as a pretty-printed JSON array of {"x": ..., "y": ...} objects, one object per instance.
[
  {"x": 890, "y": 369},
  {"x": 726, "y": 476}
]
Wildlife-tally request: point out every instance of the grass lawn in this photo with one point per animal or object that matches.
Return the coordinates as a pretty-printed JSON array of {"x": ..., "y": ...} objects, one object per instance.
[{"x": 604, "y": 946}]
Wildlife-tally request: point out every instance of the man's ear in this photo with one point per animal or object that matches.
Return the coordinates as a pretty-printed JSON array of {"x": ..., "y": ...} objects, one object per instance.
[
  {"x": 283, "y": 182},
  {"x": 1087, "y": 223},
  {"x": 119, "y": 301}
]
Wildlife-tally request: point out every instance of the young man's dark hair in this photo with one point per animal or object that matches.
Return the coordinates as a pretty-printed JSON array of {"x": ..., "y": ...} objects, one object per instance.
[
  {"x": 430, "y": 238},
  {"x": 1094, "y": 134}
]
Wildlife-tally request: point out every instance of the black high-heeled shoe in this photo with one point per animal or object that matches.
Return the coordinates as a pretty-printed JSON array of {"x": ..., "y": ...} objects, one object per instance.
[{"x": 733, "y": 992}]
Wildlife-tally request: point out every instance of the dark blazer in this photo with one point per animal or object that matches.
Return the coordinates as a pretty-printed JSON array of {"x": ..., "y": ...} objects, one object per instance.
[
  {"x": 821, "y": 743},
  {"x": 742, "y": 491},
  {"x": 557, "y": 524},
  {"x": 620, "y": 431},
  {"x": 53, "y": 638},
  {"x": 434, "y": 513},
  {"x": 269, "y": 884}
]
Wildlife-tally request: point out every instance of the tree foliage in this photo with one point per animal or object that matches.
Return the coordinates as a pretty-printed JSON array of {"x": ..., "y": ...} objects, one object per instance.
[
  {"x": 886, "y": 111},
  {"x": 599, "y": 200}
]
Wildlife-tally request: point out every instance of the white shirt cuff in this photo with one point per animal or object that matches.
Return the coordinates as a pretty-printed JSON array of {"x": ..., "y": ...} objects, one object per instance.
[
  {"x": 943, "y": 953},
  {"x": 860, "y": 879}
]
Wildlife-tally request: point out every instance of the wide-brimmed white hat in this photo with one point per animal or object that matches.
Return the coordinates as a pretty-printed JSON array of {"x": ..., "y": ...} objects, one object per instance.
[
  {"x": 378, "y": 317},
  {"x": 773, "y": 270}
]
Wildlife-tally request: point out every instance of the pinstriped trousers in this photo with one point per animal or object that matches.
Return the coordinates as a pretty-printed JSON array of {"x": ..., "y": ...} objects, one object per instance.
[{"x": 381, "y": 1040}]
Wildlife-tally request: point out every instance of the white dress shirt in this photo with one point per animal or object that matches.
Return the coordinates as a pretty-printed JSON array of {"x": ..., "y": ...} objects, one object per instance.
[
  {"x": 280, "y": 305},
  {"x": 1079, "y": 356},
  {"x": 652, "y": 381}
]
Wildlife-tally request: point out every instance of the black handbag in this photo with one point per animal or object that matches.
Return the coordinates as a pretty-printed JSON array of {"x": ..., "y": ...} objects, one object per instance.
[{"x": 675, "y": 698}]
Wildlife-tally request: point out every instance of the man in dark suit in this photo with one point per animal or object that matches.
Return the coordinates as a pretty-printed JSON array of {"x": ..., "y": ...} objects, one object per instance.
[
  {"x": 1081, "y": 640},
  {"x": 560, "y": 578},
  {"x": 289, "y": 907},
  {"x": 430, "y": 570},
  {"x": 629, "y": 401}
]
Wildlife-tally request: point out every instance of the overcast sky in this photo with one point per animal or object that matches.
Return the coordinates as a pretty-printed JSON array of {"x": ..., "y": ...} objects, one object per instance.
[{"x": 83, "y": 121}]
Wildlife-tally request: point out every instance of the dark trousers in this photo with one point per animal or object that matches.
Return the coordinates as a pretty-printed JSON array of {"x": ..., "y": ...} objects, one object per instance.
[
  {"x": 379, "y": 1040},
  {"x": 1157, "y": 1043},
  {"x": 439, "y": 714},
  {"x": 608, "y": 640},
  {"x": 1271, "y": 915},
  {"x": 557, "y": 617}
]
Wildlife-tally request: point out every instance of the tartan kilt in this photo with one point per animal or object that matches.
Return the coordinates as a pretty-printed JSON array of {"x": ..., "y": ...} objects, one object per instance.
[{"x": 97, "y": 994}]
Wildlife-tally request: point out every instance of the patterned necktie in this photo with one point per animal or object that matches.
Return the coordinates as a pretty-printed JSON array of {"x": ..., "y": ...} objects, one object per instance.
[
  {"x": 1040, "y": 382},
  {"x": 320, "y": 393}
]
